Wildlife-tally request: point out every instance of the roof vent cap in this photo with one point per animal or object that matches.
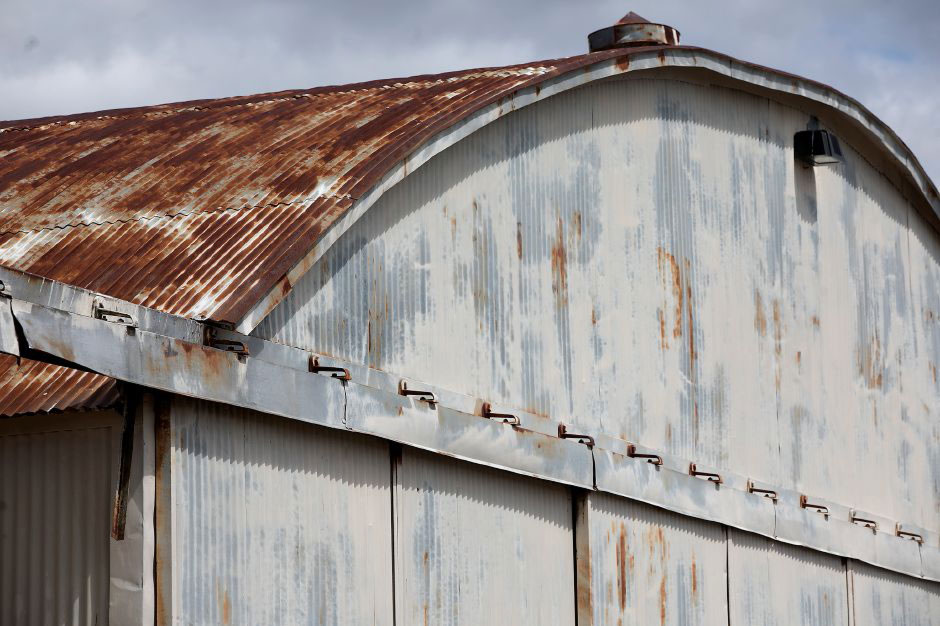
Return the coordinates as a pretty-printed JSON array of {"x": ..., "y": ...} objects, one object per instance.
[{"x": 632, "y": 30}]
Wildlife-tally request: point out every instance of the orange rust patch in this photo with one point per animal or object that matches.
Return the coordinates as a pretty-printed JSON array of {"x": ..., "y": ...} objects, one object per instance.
[
  {"x": 870, "y": 365},
  {"x": 663, "y": 342},
  {"x": 560, "y": 267},
  {"x": 815, "y": 320},
  {"x": 519, "y": 240},
  {"x": 593, "y": 316},
  {"x": 623, "y": 63},
  {"x": 694, "y": 579},
  {"x": 622, "y": 569},
  {"x": 673, "y": 280},
  {"x": 453, "y": 227},
  {"x": 662, "y": 601},
  {"x": 760, "y": 320}
]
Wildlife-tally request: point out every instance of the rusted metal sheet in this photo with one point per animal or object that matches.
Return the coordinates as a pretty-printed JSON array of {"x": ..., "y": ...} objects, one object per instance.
[
  {"x": 214, "y": 206},
  {"x": 644, "y": 259},
  {"x": 880, "y": 597},
  {"x": 477, "y": 546},
  {"x": 277, "y": 522},
  {"x": 55, "y": 506},
  {"x": 34, "y": 387},
  {"x": 649, "y": 566},
  {"x": 773, "y": 583}
]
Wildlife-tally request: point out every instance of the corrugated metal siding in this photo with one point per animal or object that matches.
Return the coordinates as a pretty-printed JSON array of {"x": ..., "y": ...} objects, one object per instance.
[
  {"x": 28, "y": 386},
  {"x": 649, "y": 566},
  {"x": 275, "y": 521},
  {"x": 882, "y": 597},
  {"x": 774, "y": 583},
  {"x": 477, "y": 546},
  {"x": 55, "y": 514},
  {"x": 644, "y": 258}
]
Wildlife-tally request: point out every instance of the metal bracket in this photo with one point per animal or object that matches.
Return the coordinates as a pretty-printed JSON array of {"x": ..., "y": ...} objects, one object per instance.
[
  {"x": 819, "y": 508},
  {"x": 653, "y": 459},
  {"x": 508, "y": 418},
  {"x": 335, "y": 372},
  {"x": 117, "y": 317},
  {"x": 861, "y": 521},
  {"x": 229, "y": 346},
  {"x": 421, "y": 396},
  {"x": 709, "y": 476},
  {"x": 906, "y": 534},
  {"x": 767, "y": 493},
  {"x": 585, "y": 439}
]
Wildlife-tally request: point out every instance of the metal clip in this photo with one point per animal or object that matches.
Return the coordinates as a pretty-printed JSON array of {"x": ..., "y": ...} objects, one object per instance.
[
  {"x": 653, "y": 459},
  {"x": 709, "y": 476},
  {"x": 508, "y": 418},
  {"x": 861, "y": 521},
  {"x": 767, "y": 493},
  {"x": 819, "y": 508},
  {"x": 335, "y": 372},
  {"x": 905, "y": 534},
  {"x": 585, "y": 439},
  {"x": 116, "y": 317},
  {"x": 421, "y": 396}
]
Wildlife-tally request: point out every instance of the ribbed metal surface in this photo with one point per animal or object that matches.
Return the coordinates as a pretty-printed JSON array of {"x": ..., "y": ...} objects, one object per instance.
[
  {"x": 277, "y": 522},
  {"x": 476, "y": 546},
  {"x": 55, "y": 490},
  {"x": 35, "y": 387},
  {"x": 159, "y": 185},
  {"x": 774, "y": 583},
  {"x": 646, "y": 260},
  {"x": 649, "y": 566},
  {"x": 881, "y": 597}
]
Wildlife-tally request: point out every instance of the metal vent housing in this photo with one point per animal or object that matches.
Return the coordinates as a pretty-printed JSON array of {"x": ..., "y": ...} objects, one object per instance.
[{"x": 633, "y": 30}]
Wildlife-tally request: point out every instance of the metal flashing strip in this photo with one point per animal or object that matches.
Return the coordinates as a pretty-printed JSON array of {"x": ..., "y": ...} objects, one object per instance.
[{"x": 276, "y": 379}]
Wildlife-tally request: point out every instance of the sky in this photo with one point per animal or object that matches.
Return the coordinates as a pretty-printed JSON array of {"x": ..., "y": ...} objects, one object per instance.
[{"x": 70, "y": 56}]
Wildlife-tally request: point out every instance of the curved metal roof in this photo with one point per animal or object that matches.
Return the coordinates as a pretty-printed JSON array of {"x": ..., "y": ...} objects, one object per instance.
[{"x": 213, "y": 208}]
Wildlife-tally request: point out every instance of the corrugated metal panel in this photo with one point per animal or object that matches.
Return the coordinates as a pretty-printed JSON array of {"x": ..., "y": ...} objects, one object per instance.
[
  {"x": 476, "y": 546},
  {"x": 160, "y": 184},
  {"x": 644, "y": 259},
  {"x": 881, "y": 597},
  {"x": 55, "y": 490},
  {"x": 277, "y": 522},
  {"x": 34, "y": 387},
  {"x": 774, "y": 583},
  {"x": 649, "y": 566}
]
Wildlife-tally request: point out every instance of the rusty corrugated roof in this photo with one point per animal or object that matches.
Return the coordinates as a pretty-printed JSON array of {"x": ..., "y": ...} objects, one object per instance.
[
  {"x": 36, "y": 387},
  {"x": 201, "y": 208}
]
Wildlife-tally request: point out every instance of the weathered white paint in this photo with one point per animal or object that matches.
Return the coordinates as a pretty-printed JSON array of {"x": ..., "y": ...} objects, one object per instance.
[
  {"x": 56, "y": 487},
  {"x": 649, "y": 566},
  {"x": 881, "y": 597},
  {"x": 477, "y": 546},
  {"x": 275, "y": 521},
  {"x": 773, "y": 583},
  {"x": 645, "y": 259}
]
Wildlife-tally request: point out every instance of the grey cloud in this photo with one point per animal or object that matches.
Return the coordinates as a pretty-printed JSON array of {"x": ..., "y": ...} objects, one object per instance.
[{"x": 61, "y": 56}]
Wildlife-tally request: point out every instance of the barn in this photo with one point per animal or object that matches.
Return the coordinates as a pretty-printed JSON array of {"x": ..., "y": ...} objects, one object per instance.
[{"x": 649, "y": 335}]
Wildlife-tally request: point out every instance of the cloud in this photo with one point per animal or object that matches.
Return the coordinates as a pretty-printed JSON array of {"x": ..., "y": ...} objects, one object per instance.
[{"x": 63, "y": 56}]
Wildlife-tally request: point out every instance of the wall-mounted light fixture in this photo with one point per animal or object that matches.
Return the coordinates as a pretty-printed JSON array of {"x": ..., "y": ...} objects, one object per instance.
[{"x": 817, "y": 147}]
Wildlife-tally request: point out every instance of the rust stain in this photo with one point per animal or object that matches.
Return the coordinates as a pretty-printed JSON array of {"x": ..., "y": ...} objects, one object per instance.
[
  {"x": 225, "y": 605},
  {"x": 623, "y": 63},
  {"x": 622, "y": 568},
  {"x": 815, "y": 320},
  {"x": 694, "y": 578},
  {"x": 577, "y": 223},
  {"x": 933, "y": 370},
  {"x": 870, "y": 365},
  {"x": 593, "y": 316},
  {"x": 560, "y": 267},
  {"x": 519, "y": 240},
  {"x": 453, "y": 228},
  {"x": 760, "y": 320},
  {"x": 662, "y": 600}
]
